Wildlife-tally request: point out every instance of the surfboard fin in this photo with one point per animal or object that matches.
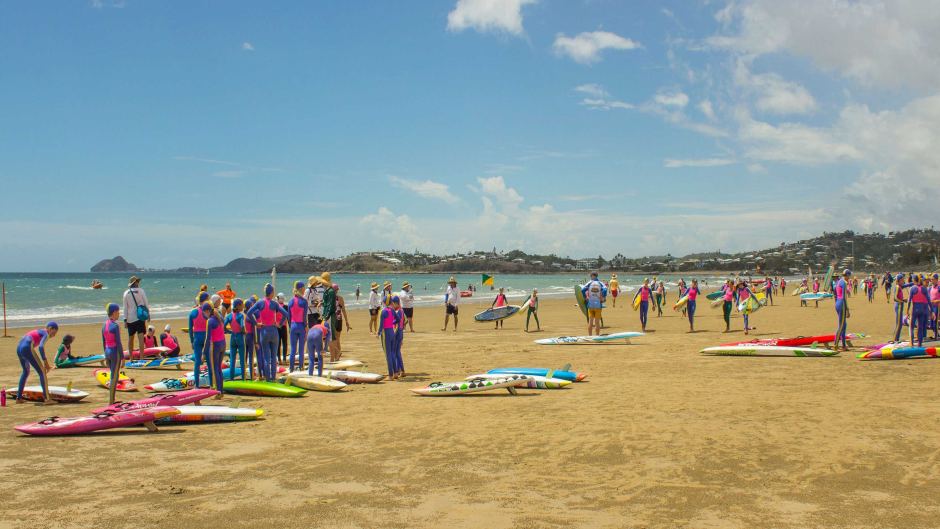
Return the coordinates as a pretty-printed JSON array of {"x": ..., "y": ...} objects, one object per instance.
[
  {"x": 512, "y": 390},
  {"x": 151, "y": 426},
  {"x": 566, "y": 367}
]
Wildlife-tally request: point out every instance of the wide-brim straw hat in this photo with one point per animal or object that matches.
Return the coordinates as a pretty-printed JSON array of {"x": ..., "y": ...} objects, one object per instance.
[
  {"x": 405, "y": 284},
  {"x": 132, "y": 280},
  {"x": 374, "y": 285}
]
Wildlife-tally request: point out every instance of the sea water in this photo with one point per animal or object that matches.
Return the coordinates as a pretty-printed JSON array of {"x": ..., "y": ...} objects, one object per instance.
[{"x": 34, "y": 298}]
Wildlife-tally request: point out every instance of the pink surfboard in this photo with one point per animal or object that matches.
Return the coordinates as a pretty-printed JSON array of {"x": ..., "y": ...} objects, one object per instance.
[
  {"x": 94, "y": 423},
  {"x": 167, "y": 399},
  {"x": 149, "y": 352}
]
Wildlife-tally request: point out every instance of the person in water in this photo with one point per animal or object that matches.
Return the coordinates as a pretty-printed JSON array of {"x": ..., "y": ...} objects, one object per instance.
[
  {"x": 692, "y": 293},
  {"x": 451, "y": 302},
  {"x": 614, "y": 286},
  {"x": 389, "y": 321},
  {"x": 841, "y": 293},
  {"x": 64, "y": 354},
  {"x": 235, "y": 324},
  {"x": 214, "y": 347},
  {"x": 170, "y": 342},
  {"x": 113, "y": 350},
  {"x": 298, "y": 325},
  {"x": 407, "y": 298},
  {"x": 263, "y": 316},
  {"x": 374, "y": 306},
  {"x": 532, "y": 310},
  {"x": 595, "y": 293},
  {"x": 316, "y": 336},
  {"x": 500, "y": 301},
  {"x": 227, "y": 295},
  {"x": 645, "y": 293},
  {"x": 197, "y": 333},
  {"x": 32, "y": 343}
]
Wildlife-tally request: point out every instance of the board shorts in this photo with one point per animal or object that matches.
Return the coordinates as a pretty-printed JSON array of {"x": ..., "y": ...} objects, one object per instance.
[
  {"x": 452, "y": 309},
  {"x": 373, "y": 312},
  {"x": 226, "y": 305},
  {"x": 594, "y": 313},
  {"x": 136, "y": 327},
  {"x": 338, "y": 329},
  {"x": 409, "y": 312},
  {"x": 614, "y": 293},
  {"x": 313, "y": 319}
]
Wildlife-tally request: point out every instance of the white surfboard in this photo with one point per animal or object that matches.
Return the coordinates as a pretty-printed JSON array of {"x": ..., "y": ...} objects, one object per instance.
[{"x": 583, "y": 340}]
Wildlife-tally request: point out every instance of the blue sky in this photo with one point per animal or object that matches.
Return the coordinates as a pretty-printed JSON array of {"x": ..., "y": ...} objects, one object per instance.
[{"x": 190, "y": 133}]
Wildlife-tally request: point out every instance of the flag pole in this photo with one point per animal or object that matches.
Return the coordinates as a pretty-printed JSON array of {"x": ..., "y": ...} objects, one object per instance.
[{"x": 3, "y": 286}]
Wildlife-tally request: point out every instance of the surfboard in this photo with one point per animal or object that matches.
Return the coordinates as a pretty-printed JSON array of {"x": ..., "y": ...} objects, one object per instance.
[
  {"x": 766, "y": 350},
  {"x": 497, "y": 313},
  {"x": 681, "y": 302},
  {"x": 167, "y": 399},
  {"x": 148, "y": 352},
  {"x": 187, "y": 381},
  {"x": 799, "y": 290},
  {"x": 156, "y": 363},
  {"x": 262, "y": 389},
  {"x": 197, "y": 414},
  {"x": 717, "y": 303},
  {"x": 900, "y": 353},
  {"x": 316, "y": 383},
  {"x": 124, "y": 383},
  {"x": 533, "y": 383},
  {"x": 56, "y": 393},
  {"x": 81, "y": 361},
  {"x": 582, "y": 340},
  {"x": 718, "y": 294},
  {"x": 540, "y": 372},
  {"x": 815, "y": 296},
  {"x": 798, "y": 341},
  {"x": 579, "y": 297},
  {"x": 464, "y": 387},
  {"x": 352, "y": 377},
  {"x": 343, "y": 364},
  {"x": 94, "y": 423},
  {"x": 636, "y": 303}
]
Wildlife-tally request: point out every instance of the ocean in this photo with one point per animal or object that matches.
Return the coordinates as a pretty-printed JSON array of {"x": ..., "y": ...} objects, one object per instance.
[{"x": 35, "y": 298}]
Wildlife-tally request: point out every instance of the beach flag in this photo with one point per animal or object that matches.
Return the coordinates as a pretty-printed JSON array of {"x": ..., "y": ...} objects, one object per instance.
[{"x": 487, "y": 280}]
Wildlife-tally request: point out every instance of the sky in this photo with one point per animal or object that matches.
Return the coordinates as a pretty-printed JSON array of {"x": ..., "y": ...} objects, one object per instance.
[{"x": 190, "y": 133}]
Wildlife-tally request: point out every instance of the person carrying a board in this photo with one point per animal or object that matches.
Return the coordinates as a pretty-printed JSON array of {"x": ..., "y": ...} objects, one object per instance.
[
  {"x": 451, "y": 301},
  {"x": 645, "y": 294},
  {"x": 32, "y": 342},
  {"x": 532, "y": 309},
  {"x": 693, "y": 293},
  {"x": 744, "y": 293},
  {"x": 727, "y": 303},
  {"x": 500, "y": 301},
  {"x": 113, "y": 350},
  {"x": 595, "y": 293}
]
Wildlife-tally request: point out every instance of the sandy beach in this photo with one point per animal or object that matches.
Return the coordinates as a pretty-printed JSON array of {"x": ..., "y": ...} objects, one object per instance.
[{"x": 657, "y": 436}]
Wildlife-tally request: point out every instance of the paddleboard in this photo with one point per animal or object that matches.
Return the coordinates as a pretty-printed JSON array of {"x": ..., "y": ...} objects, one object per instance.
[
  {"x": 796, "y": 342},
  {"x": 262, "y": 389},
  {"x": 718, "y": 294},
  {"x": 94, "y": 423},
  {"x": 582, "y": 340},
  {"x": 343, "y": 364},
  {"x": 717, "y": 303},
  {"x": 125, "y": 383},
  {"x": 81, "y": 361},
  {"x": 464, "y": 387},
  {"x": 352, "y": 377},
  {"x": 497, "y": 313},
  {"x": 815, "y": 296},
  {"x": 579, "y": 297},
  {"x": 766, "y": 350},
  {"x": 148, "y": 352},
  {"x": 533, "y": 383},
  {"x": 56, "y": 393},
  {"x": 636, "y": 302},
  {"x": 540, "y": 372},
  {"x": 681, "y": 302},
  {"x": 156, "y": 363},
  {"x": 900, "y": 353},
  {"x": 799, "y": 290},
  {"x": 890, "y": 347},
  {"x": 195, "y": 414},
  {"x": 187, "y": 381},
  {"x": 174, "y": 399},
  {"x": 302, "y": 380}
]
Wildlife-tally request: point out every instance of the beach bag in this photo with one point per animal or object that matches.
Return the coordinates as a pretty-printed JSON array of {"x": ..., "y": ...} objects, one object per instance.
[{"x": 143, "y": 313}]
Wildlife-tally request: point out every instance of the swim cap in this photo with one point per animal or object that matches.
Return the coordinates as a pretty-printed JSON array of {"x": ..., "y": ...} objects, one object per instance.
[
  {"x": 249, "y": 303},
  {"x": 936, "y": 276},
  {"x": 206, "y": 306},
  {"x": 299, "y": 285},
  {"x": 68, "y": 339},
  {"x": 900, "y": 277},
  {"x": 280, "y": 296},
  {"x": 203, "y": 296},
  {"x": 215, "y": 298},
  {"x": 52, "y": 325},
  {"x": 846, "y": 272},
  {"x": 253, "y": 299},
  {"x": 395, "y": 299},
  {"x": 237, "y": 303},
  {"x": 151, "y": 328},
  {"x": 166, "y": 327},
  {"x": 112, "y": 308},
  {"x": 335, "y": 287},
  {"x": 268, "y": 289}
]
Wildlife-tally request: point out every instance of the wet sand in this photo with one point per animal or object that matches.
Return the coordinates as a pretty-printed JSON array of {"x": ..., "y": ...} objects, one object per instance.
[{"x": 657, "y": 436}]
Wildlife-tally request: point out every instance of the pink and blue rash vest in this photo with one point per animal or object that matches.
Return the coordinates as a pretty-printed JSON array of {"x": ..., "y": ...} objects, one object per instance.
[
  {"x": 729, "y": 293},
  {"x": 198, "y": 321},
  {"x": 693, "y": 293},
  {"x": 169, "y": 341},
  {"x": 236, "y": 322},
  {"x": 743, "y": 293},
  {"x": 110, "y": 332},
  {"x": 389, "y": 318},
  {"x": 500, "y": 300},
  {"x": 645, "y": 293},
  {"x": 298, "y": 309},
  {"x": 216, "y": 329},
  {"x": 266, "y": 311},
  {"x": 840, "y": 288},
  {"x": 919, "y": 295},
  {"x": 37, "y": 336},
  {"x": 934, "y": 293}
]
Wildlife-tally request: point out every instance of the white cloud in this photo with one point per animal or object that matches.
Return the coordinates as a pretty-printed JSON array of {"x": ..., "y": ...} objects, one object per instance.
[
  {"x": 593, "y": 90},
  {"x": 672, "y": 98},
  {"x": 705, "y": 107},
  {"x": 426, "y": 189},
  {"x": 500, "y": 16},
  {"x": 399, "y": 230},
  {"x": 247, "y": 46},
  {"x": 876, "y": 43},
  {"x": 773, "y": 94},
  {"x": 228, "y": 174},
  {"x": 605, "y": 104},
  {"x": 586, "y": 47},
  {"x": 673, "y": 163}
]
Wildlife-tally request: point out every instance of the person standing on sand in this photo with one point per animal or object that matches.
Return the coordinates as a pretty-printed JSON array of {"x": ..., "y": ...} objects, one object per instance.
[
  {"x": 374, "y": 305},
  {"x": 769, "y": 289},
  {"x": 451, "y": 301},
  {"x": 35, "y": 341},
  {"x": 816, "y": 289},
  {"x": 783, "y": 286},
  {"x": 899, "y": 303},
  {"x": 197, "y": 332},
  {"x": 388, "y": 323},
  {"x": 614, "y": 287},
  {"x": 113, "y": 350},
  {"x": 407, "y": 298},
  {"x": 500, "y": 301},
  {"x": 727, "y": 303},
  {"x": 595, "y": 293},
  {"x": 215, "y": 345},
  {"x": 227, "y": 295},
  {"x": 298, "y": 310},
  {"x": 251, "y": 341},
  {"x": 693, "y": 293},
  {"x": 645, "y": 294},
  {"x": 387, "y": 293},
  {"x": 235, "y": 323},
  {"x": 532, "y": 309},
  {"x": 886, "y": 282},
  {"x": 282, "y": 331},
  {"x": 315, "y": 337},
  {"x": 744, "y": 292},
  {"x": 336, "y": 349},
  {"x": 329, "y": 300},
  {"x": 841, "y": 293},
  {"x": 312, "y": 297},
  {"x": 399, "y": 337},
  {"x": 918, "y": 311},
  {"x": 263, "y": 317},
  {"x": 136, "y": 314},
  {"x": 660, "y": 297}
]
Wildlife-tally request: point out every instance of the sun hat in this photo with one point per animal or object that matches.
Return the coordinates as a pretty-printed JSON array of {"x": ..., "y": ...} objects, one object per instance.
[
  {"x": 132, "y": 280},
  {"x": 452, "y": 280},
  {"x": 325, "y": 276},
  {"x": 374, "y": 285},
  {"x": 405, "y": 284}
]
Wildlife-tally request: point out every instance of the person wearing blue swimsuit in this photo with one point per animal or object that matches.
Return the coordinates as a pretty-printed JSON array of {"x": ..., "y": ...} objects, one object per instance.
[
  {"x": 262, "y": 315},
  {"x": 197, "y": 333},
  {"x": 36, "y": 339},
  {"x": 235, "y": 323},
  {"x": 841, "y": 293},
  {"x": 919, "y": 310},
  {"x": 298, "y": 308},
  {"x": 113, "y": 350}
]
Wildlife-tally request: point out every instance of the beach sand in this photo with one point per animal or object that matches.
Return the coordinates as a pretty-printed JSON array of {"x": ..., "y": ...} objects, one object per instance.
[{"x": 658, "y": 436}]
